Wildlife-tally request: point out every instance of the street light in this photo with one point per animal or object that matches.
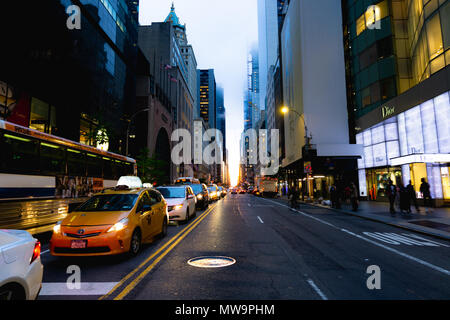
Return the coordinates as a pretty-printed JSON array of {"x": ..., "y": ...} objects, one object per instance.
[
  {"x": 128, "y": 127},
  {"x": 285, "y": 110}
]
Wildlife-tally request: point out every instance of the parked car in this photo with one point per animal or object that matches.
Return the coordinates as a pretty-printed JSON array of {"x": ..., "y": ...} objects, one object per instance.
[
  {"x": 220, "y": 191},
  {"x": 181, "y": 201},
  {"x": 21, "y": 269},
  {"x": 213, "y": 192},
  {"x": 115, "y": 221},
  {"x": 202, "y": 195}
]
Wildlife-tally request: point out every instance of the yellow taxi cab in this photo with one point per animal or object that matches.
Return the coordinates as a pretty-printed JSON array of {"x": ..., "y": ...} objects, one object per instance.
[{"x": 115, "y": 221}]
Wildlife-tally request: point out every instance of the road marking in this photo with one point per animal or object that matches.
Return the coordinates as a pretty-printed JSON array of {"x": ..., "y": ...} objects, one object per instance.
[
  {"x": 316, "y": 288},
  {"x": 422, "y": 262},
  {"x": 87, "y": 289},
  {"x": 44, "y": 252},
  {"x": 128, "y": 276},
  {"x": 396, "y": 239},
  {"x": 260, "y": 220},
  {"x": 138, "y": 279}
]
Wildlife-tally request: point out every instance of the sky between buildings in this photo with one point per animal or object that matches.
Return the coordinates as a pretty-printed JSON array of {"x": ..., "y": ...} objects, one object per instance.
[{"x": 221, "y": 33}]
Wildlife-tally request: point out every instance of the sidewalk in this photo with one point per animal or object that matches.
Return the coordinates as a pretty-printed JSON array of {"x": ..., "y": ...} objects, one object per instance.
[{"x": 436, "y": 223}]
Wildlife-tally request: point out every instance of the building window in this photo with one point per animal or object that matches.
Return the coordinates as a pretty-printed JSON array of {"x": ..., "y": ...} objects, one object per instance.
[{"x": 42, "y": 116}]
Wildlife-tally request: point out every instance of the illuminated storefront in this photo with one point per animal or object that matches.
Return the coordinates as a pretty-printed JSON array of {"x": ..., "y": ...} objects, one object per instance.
[{"x": 410, "y": 145}]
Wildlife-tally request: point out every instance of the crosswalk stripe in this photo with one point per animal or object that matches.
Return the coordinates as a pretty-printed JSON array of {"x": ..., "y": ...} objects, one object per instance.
[{"x": 86, "y": 289}]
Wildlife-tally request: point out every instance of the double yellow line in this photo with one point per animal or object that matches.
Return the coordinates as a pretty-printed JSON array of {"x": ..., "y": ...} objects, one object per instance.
[{"x": 174, "y": 241}]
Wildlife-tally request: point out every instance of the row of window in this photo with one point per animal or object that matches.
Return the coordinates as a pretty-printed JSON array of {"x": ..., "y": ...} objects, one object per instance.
[{"x": 28, "y": 156}]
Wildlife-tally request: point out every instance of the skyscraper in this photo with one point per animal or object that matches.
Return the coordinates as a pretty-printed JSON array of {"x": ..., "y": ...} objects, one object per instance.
[
  {"x": 206, "y": 101},
  {"x": 220, "y": 118},
  {"x": 70, "y": 82},
  {"x": 397, "y": 65}
]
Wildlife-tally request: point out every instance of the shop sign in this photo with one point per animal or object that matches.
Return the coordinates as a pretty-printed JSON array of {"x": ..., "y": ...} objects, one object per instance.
[
  {"x": 387, "y": 111},
  {"x": 307, "y": 167}
]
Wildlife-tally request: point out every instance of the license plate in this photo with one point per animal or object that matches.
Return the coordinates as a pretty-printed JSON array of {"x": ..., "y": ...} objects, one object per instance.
[{"x": 78, "y": 244}]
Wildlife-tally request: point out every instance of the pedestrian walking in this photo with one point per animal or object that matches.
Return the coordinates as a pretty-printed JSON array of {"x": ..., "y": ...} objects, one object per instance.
[
  {"x": 426, "y": 194},
  {"x": 391, "y": 192},
  {"x": 354, "y": 196},
  {"x": 405, "y": 200},
  {"x": 293, "y": 197},
  {"x": 412, "y": 195}
]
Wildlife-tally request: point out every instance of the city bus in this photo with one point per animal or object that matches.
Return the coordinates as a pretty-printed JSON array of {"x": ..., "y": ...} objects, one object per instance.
[{"x": 36, "y": 165}]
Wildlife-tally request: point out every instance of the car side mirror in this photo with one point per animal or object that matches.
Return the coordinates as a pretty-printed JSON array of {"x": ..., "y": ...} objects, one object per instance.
[{"x": 190, "y": 196}]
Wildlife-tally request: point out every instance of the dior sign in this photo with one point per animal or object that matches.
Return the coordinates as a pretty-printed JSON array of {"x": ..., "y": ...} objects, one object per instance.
[{"x": 387, "y": 111}]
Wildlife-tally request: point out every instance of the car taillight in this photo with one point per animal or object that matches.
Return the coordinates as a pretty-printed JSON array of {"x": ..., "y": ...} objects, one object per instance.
[{"x": 36, "y": 251}]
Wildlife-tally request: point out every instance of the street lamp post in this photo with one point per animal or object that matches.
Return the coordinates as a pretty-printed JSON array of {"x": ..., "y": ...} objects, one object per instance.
[
  {"x": 128, "y": 127},
  {"x": 286, "y": 110}
]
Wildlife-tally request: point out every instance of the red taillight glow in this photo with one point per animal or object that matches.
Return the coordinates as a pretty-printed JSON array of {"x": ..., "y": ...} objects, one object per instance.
[{"x": 36, "y": 251}]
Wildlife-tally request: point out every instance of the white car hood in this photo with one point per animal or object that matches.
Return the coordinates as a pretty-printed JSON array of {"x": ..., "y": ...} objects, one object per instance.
[{"x": 174, "y": 201}]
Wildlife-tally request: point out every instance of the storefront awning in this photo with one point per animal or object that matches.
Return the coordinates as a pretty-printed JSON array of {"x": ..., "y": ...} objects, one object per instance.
[{"x": 421, "y": 158}]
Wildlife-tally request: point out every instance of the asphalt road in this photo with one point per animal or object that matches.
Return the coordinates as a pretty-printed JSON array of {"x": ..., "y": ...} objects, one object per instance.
[{"x": 312, "y": 254}]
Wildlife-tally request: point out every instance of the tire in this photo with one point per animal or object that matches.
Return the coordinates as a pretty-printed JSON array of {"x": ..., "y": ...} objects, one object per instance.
[
  {"x": 186, "y": 220},
  {"x": 163, "y": 229},
  {"x": 135, "y": 243},
  {"x": 12, "y": 292}
]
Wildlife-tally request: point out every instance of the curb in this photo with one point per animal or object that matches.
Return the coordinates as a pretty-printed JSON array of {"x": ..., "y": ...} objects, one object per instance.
[{"x": 427, "y": 233}]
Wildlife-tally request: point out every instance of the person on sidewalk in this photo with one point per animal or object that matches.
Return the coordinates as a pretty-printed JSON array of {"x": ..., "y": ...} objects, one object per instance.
[
  {"x": 391, "y": 192},
  {"x": 405, "y": 200},
  {"x": 333, "y": 196},
  {"x": 412, "y": 195},
  {"x": 354, "y": 196},
  {"x": 426, "y": 194},
  {"x": 293, "y": 197}
]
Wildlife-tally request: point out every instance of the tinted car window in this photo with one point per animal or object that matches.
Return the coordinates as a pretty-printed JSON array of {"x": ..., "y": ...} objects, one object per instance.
[
  {"x": 198, "y": 188},
  {"x": 169, "y": 193},
  {"x": 109, "y": 202}
]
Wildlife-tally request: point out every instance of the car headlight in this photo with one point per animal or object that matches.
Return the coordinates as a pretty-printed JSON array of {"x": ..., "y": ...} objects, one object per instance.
[
  {"x": 57, "y": 227},
  {"x": 178, "y": 207},
  {"x": 122, "y": 224},
  {"x": 199, "y": 197}
]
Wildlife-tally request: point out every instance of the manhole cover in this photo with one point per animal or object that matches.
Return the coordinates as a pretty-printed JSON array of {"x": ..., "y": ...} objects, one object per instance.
[{"x": 211, "y": 262}]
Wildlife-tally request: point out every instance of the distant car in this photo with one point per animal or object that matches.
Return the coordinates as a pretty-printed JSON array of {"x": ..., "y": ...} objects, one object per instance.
[
  {"x": 213, "y": 192},
  {"x": 181, "y": 201},
  {"x": 188, "y": 180},
  {"x": 242, "y": 191},
  {"x": 115, "y": 221},
  {"x": 21, "y": 269},
  {"x": 202, "y": 195},
  {"x": 221, "y": 191},
  {"x": 234, "y": 191}
]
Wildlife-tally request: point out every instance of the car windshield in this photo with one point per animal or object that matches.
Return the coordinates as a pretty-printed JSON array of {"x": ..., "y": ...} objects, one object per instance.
[
  {"x": 197, "y": 188},
  {"x": 109, "y": 202},
  {"x": 169, "y": 193},
  {"x": 212, "y": 188}
]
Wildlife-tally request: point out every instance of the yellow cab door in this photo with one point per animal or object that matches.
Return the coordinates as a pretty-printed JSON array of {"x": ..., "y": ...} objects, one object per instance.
[
  {"x": 144, "y": 212},
  {"x": 158, "y": 211}
]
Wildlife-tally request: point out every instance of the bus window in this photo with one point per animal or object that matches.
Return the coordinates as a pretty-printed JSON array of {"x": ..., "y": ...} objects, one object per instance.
[
  {"x": 20, "y": 154},
  {"x": 76, "y": 163},
  {"x": 111, "y": 169},
  {"x": 94, "y": 166},
  {"x": 52, "y": 159}
]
